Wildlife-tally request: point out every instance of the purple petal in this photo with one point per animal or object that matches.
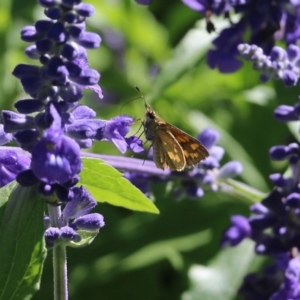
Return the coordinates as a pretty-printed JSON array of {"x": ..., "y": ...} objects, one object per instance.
[
  {"x": 231, "y": 169},
  {"x": 89, "y": 222},
  {"x": 80, "y": 204},
  {"x": 238, "y": 230}
]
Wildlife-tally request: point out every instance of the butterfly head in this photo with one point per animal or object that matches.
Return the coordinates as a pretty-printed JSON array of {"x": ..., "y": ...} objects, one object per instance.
[{"x": 150, "y": 113}]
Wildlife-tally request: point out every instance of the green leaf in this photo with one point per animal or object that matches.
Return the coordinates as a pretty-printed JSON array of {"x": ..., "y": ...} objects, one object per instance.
[
  {"x": 4, "y": 195},
  {"x": 233, "y": 148},
  {"x": 21, "y": 242},
  {"x": 187, "y": 54},
  {"x": 294, "y": 129},
  {"x": 87, "y": 237},
  {"x": 222, "y": 279},
  {"x": 106, "y": 184},
  {"x": 171, "y": 249}
]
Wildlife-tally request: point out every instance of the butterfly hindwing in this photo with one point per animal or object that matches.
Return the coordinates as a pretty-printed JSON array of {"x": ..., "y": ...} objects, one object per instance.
[{"x": 192, "y": 149}]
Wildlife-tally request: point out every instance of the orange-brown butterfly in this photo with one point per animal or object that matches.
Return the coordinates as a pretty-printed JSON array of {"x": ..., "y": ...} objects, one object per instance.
[{"x": 172, "y": 147}]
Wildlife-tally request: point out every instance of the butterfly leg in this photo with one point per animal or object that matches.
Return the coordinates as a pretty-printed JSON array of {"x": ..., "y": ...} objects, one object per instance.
[
  {"x": 147, "y": 152},
  {"x": 138, "y": 131}
]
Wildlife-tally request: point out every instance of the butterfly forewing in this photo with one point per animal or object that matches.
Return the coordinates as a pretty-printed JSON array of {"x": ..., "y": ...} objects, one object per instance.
[{"x": 167, "y": 151}]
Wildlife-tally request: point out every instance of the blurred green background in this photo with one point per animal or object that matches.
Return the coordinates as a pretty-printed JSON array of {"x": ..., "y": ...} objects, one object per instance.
[{"x": 162, "y": 49}]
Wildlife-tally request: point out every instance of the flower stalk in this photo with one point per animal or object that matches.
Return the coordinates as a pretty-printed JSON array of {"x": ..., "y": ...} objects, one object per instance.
[{"x": 59, "y": 258}]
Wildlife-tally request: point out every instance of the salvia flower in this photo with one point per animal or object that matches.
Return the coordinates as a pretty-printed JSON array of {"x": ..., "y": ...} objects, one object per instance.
[
  {"x": 274, "y": 227},
  {"x": 75, "y": 219},
  {"x": 60, "y": 126},
  {"x": 281, "y": 64},
  {"x": 51, "y": 127},
  {"x": 144, "y": 2},
  {"x": 287, "y": 113},
  {"x": 263, "y": 22},
  {"x": 215, "y": 7},
  {"x": 115, "y": 131},
  {"x": 239, "y": 229},
  {"x": 262, "y": 286},
  {"x": 56, "y": 157},
  {"x": 11, "y": 164},
  {"x": 290, "y": 288}
]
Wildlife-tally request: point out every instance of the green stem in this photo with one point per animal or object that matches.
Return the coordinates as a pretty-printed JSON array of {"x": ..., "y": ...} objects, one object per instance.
[
  {"x": 59, "y": 259},
  {"x": 243, "y": 192}
]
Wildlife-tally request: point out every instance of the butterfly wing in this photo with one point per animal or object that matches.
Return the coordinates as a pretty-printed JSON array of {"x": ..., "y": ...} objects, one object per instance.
[
  {"x": 167, "y": 151},
  {"x": 192, "y": 149}
]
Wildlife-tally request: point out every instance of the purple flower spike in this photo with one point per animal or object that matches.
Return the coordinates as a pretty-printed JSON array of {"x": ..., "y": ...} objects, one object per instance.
[
  {"x": 52, "y": 234},
  {"x": 290, "y": 78},
  {"x": 4, "y": 137},
  {"x": 27, "y": 178},
  {"x": 56, "y": 162},
  {"x": 286, "y": 113},
  {"x": 89, "y": 222},
  {"x": 85, "y": 130},
  {"x": 195, "y": 191},
  {"x": 209, "y": 137},
  {"x": 45, "y": 189},
  {"x": 194, "y": 5},
  {"x": 279, "y": 180},
  {"x": 217, "y": 7},
  {"x": 259, "y": 209},
  {"x": 135, "y": 144},
  {"x": 239, "y": 230},
  {"x": 11, "y": 164},
  {"x": 13, "y": 121},
  {"x": 58, "y": 126},
  {"x": 278, "y": 53},
  {"x": 231, "y": 169},
  {"x": 85, "y": 9},
  {"x": 225, "y": 56},
  {"x": 55, "y": 158},
  {"x": 47, "y": 222},
  {"x": 210, "y": 163},
  {"x": 279, "y": 152},
  {"x": 144, "y": 2},
  {"x": 28, "y": 106},
  {"x": 83, "y": 112},
  {"x": 281, "y": 64},
  {"x": 293, "y": 53},
  {"x": 80, "y": 204},
  {"x": 69, "y": 234},
  {"x": 293, "y": 200},
  {"x": 115, "y": 131},
  {"x": 217, "y": 152},
  {"x": 290, "y": 288},
  {"x": 262, "y": 221}
]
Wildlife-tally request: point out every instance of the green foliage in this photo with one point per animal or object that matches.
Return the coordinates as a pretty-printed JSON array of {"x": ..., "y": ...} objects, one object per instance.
[
  {"x": 137, "y": 255},
  {"x": 225, "y": 271},
  {"x": 106, "y": 184},
  {"x": 21, "y": 242}
]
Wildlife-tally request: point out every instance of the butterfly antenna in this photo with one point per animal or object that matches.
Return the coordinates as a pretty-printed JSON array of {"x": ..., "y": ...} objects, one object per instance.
[
  {"x": 143, "y": 97},
  {"x": 128, "y": 102}
]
